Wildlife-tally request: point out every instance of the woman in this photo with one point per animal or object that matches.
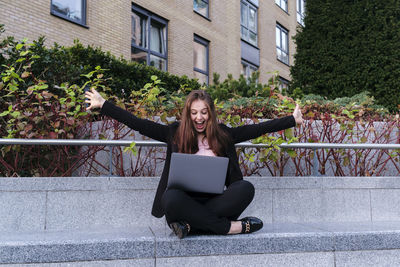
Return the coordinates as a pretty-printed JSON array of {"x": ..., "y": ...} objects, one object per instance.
[{"x": 199, "y": 133}]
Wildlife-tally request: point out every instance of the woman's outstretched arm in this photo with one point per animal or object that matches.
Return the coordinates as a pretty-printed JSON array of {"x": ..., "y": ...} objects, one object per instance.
[
  {"x": 251, "y": 131},
  {"x": 156, "y": 131}
]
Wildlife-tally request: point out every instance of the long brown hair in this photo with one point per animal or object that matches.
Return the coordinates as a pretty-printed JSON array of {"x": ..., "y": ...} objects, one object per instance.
[{"x": 186, "y": 135}]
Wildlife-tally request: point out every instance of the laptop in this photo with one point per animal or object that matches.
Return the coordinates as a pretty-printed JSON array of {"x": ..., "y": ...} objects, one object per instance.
[{"x": 195, "y": 173}]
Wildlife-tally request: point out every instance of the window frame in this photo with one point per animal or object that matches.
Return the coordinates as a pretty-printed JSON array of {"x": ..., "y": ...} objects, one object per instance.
[
  {"x": 249, "y": 5},
  {"x": 208, "y": 10},
  {"x": 247, "y": 75},
  {"x": 280, "y": 5},
  {"x": 206, "y": 43},
  {"x": 283, "y": 81},
  {"x": 82, "y": 22},
  {"x": 151, "y": 18},
  {"x": 300, "y": 12},
  {"x": 282, "y": 30}
]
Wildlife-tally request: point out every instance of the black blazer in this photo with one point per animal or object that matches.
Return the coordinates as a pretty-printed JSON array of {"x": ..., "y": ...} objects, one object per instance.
[{"x": 165, "y": 133}]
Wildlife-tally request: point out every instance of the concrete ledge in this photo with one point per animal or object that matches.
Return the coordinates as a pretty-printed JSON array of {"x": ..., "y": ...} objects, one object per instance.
[
  {"x": 150, "y": 183},
  {"x": 70, "y": 246},
  {"x": 57, "y": 204},
  {"x": 309, "y": 221},
  {"x": 158, "y": 244}
]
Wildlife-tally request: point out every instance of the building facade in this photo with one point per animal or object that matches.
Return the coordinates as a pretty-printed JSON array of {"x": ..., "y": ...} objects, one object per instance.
[{"x": 184, "y": 37}]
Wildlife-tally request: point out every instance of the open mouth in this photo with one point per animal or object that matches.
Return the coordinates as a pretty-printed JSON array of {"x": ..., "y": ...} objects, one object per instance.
[{"x": 199, "y": 125}]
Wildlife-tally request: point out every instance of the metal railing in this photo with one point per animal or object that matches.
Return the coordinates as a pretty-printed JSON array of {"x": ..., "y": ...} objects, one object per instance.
[{"x": 149, "y": 143}]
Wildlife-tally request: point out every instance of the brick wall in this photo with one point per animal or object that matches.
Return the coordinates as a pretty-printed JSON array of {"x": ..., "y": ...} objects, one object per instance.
[
  {"x": 269, "y": 15},
  {"x": 109, "y": 26},
  {"x": 222, "y": 29}
]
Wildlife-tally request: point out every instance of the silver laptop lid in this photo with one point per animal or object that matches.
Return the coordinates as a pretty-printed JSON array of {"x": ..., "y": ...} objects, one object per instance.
[{"x": 195, "y": 173}]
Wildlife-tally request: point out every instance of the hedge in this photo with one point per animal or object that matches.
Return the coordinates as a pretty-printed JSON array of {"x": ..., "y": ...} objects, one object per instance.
[
  {"x": 347, "y": 47},
  {"x": 59, "y": 64}
]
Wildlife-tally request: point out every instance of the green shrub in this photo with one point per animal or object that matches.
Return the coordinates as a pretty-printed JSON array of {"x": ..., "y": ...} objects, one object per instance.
[
  {"x": 362, "y": 99},
  {"x": 347, "y": 47},
  {"x": 58, "y": 64},
  {"x": 31, "y": 111},
  {"x": 241, "y": 87},
  {"x": 314, "y": 98}
]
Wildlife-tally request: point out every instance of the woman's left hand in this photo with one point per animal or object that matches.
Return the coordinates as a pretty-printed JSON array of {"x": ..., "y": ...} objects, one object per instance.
[
  {"x": 94, "y": 99},
  {"x": 298, "y": 117}
]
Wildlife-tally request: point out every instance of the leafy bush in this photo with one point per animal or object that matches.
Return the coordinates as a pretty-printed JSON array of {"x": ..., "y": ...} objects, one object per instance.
[
  {"x": 36, "y": 102},
  {"x": 362, "y": 99},
  {"x": 314, "y": 99},
  {"x": 353, "y": 121},
  {"x": 58, "y": 64},
  {"x": 30, "y": 110},
  {"x": 242, "y": 87},
  {"x": 347, "y": 47}
]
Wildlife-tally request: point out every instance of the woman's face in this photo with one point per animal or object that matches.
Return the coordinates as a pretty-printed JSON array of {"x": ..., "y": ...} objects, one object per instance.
[{"x": 199, "y": 115}]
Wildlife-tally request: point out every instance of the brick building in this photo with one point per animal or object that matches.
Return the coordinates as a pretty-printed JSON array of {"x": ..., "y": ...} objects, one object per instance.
[{"x": 185, "y": 37}]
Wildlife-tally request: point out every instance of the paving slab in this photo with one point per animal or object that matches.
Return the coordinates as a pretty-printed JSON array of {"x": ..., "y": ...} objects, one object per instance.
[
  {"x": 261, "y": 206},
  {"x": 368, "y": 258},
  {"x": 273, "y": 238},
  {"x": 85, "y": 209},
  {"x": 345, "y": 227},
  {"x": 363, "y": 235},
  {"x": 71, "y": 246},
  {"x": 106, "y": 263},
  {"x": 325, "y": 182},
  {"x": 385, "y": 204},
  {"x": 53, "y": 183},
  {"x": 22, "y": 211},
  {"x": 320, "y": 259},
  {"x": 318, "y": 205},
  {"x": 319, "y": 240}
]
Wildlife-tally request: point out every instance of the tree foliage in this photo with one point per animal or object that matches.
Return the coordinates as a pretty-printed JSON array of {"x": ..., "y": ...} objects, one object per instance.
[{"x": 347, "y": 47}]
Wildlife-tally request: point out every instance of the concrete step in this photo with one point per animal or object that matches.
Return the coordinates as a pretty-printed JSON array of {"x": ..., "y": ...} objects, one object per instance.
[
  {"x": 289, "y": 244},
  {"x": 106, "y": 221},
  {"x": 75, "y": 203}
]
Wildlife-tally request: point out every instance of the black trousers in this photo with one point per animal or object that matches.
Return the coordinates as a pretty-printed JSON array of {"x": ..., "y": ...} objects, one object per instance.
[{"x": 208, "y": 213}]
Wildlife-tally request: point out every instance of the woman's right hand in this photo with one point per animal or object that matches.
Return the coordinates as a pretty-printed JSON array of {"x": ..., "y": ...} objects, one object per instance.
[
  {"x": 94, "y": 99},
  {"x": 298, "y": 116}
]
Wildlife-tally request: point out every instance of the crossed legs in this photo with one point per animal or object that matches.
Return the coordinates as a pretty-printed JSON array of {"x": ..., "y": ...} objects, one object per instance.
[{"x": 213, "y": 214}]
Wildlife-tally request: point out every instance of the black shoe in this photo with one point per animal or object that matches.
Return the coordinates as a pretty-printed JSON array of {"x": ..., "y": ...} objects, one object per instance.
[
  {"x": 251, "y": 224},
  {"x": 181, "y": 229}
]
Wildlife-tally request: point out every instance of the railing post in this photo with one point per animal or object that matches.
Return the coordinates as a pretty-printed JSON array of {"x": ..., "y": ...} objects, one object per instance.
[
  {"x": 110, "y": 163},
  {"x": 315, "y": 171}
]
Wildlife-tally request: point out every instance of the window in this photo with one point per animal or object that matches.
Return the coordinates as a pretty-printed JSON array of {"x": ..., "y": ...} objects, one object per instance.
[
  {"x": 248, "y": 69},
  {"x": 282, "y": 44},
  {"x": 149, "y": 39},
  {"x": 200, "y": 59},
  {"x": 201, "y": 7},
  {"x": 300, "y": 11},
  {"x": 248, "y": 22},
  {"x": 72, "y": 10},
  {"x": 282, "y": 4},
  {"x": 283, "y": 85}
]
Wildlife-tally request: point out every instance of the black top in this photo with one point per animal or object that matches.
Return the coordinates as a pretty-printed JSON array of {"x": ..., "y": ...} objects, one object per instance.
[{"x": 165, "y": 133}]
